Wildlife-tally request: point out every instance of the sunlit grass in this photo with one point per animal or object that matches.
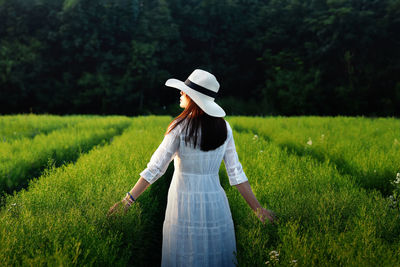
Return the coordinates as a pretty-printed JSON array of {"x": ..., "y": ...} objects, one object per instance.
[
  {"x": 25, "y": 158},
  {"x": 315, "y": 173},
  {"x": 325, "y": 218},
  {"x": 14, "y": 127},
  {"x": 61, "y": 218},
  {"x": 366, "y": 149}
]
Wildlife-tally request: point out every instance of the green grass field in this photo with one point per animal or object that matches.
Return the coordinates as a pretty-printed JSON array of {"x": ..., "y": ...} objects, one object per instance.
[{"x": 329, "y": 179}]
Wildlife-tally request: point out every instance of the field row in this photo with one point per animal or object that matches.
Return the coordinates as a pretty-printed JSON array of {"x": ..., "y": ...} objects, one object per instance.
[
  {"x": 326, "y": 219},
  {"x": 26, "y": 158},
  {"x": 14, "y": 127},
  {"x": 365, "y": 149},
  {"x": 61, "y": 219}
]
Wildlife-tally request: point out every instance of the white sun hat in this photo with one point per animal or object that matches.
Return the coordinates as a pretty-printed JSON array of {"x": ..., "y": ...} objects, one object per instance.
[{"x": 202, "y": 87}]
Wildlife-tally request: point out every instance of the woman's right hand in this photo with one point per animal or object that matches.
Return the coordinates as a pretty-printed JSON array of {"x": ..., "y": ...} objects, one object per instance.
[
  {"x": 263, "y": 213},
  {"x": 118, "y": 207}
]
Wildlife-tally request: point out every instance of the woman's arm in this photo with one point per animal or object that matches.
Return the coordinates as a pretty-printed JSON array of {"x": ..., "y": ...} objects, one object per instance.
[
  {"x": 140, "y": 186},
  {"x": 136, "y": 191},
  {"x": 247, "y": 193},
  {"x": 157, "y": 166},
  {"x": 262, "y": 213}
]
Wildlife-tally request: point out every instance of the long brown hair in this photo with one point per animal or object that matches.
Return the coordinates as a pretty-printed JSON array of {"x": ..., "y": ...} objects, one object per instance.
[{"x": 213, "y": 129}]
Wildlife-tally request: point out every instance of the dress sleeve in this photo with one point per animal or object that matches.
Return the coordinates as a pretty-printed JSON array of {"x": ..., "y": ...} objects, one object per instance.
[
  {"x": 161, "y": 158},
  {"x": 232, "y": 164}
]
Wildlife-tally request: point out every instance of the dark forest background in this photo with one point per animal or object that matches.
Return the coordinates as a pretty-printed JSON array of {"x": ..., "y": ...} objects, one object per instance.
[{"x": 271, "y": 57}]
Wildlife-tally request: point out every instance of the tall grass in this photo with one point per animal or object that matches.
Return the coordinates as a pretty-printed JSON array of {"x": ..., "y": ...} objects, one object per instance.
[
  {"x": 19, "y": 126},
  {"x": 25, "y": 158},
  {"x": 61, "y": 218},
  {"x": 366, "y": 149},
  {"x": 325, "y": 218}
]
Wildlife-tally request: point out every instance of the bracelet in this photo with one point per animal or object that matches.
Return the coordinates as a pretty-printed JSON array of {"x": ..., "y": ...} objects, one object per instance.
[
  {"x": 133, "y": 200},
  {"x": 127, "y": 203}
]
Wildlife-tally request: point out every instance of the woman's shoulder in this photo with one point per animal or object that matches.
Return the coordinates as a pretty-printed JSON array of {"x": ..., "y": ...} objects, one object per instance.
[
  {"x": 228, "y": 126},
  {"x": 227, "y": 123},
  {"x": 229, "y": 131},
  {"x": 177, "y": 127}
]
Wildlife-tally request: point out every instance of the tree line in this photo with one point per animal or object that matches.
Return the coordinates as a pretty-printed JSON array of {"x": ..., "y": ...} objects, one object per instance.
[{"x": 272, "y": 57}]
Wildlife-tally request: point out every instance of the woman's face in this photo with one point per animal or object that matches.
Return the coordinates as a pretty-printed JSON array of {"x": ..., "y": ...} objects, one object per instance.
[{"x": 184, "y": 100}]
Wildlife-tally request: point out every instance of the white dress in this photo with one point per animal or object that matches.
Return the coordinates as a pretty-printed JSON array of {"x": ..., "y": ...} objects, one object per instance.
[{"x": 198, "y": 228}]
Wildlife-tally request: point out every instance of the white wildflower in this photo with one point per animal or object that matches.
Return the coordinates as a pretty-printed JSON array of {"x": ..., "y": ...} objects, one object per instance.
[
  {"x": 255, "y": 137},
  {"x": 273, "y": 252},
  {"x": 267, "y": 262},
  {"x": 397, "y": 180},
  {"x": 309, "y": 141},
  {"x": 261, "y": 151},
  {"x": 12, "y": 207},
  {"x": 274, "y": 255}
]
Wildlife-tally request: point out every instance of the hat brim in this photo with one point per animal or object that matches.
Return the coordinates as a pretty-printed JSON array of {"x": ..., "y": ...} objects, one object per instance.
[{"x": 205, "y": 102}]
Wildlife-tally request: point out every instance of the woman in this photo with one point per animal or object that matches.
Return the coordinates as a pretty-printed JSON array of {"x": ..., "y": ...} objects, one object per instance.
[{"x": 198, "y": 228}]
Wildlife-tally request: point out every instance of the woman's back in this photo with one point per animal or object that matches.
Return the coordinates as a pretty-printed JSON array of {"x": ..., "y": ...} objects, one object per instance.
[{"x": 190, "y": 160}]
